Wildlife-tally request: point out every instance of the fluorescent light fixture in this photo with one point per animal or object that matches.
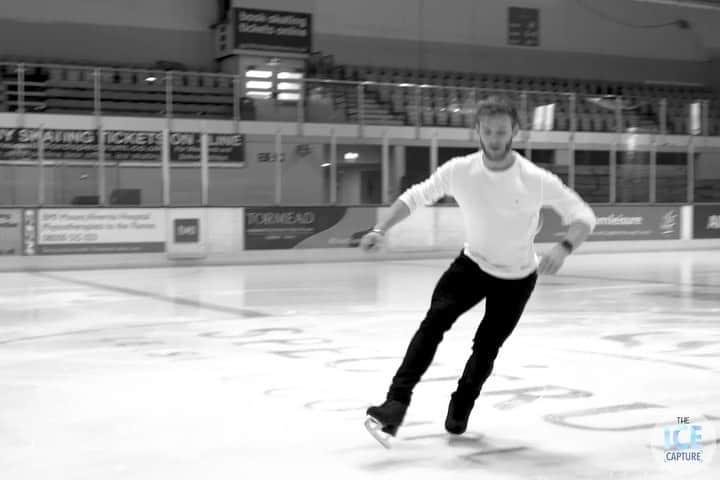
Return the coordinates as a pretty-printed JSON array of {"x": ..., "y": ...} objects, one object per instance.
[
  {"x": 258, "y": 85},
  {"x": 151, "y": 79},
  {"x": 695, "y": 118},
  {"x": 543, "y": 117},
  {"x": 351, "y": 156},
  {"x": 290, "y": 97},
  {"x": 288, "y": 86},
  {"x": 549, "y": 116},
  {"x": 325, "y": 165},
  {"x": 258, "y": 74},
  {"x": 256, "y": 94},
  {"x": 289, "y": 76},
  {"x": 632, "y": 140}
]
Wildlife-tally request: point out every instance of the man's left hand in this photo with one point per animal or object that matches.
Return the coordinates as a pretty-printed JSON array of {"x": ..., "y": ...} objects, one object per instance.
[{"x": 551, "y": 262}]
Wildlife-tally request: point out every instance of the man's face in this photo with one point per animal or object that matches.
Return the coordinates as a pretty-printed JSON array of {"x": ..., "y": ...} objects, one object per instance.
[{"x": 496, "y": 133}]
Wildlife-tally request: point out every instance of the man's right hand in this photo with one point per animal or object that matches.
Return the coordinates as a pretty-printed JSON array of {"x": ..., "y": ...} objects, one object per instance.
[{"x": 371, "y": 241}]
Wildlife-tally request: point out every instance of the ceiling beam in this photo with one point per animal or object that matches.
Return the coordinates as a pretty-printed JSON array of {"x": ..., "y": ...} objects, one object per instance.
[{"x": 700, "y": 4}]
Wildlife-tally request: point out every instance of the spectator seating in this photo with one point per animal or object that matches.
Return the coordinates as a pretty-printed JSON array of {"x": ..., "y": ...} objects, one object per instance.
[
  {"x": 444, "y": 98},
  {"x": 393, "y": 96},
  {"x": 62, "y": 89}
]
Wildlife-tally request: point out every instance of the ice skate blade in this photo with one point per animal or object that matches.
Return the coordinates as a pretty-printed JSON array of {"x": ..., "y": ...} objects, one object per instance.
[{"x": 375, "y": 429}]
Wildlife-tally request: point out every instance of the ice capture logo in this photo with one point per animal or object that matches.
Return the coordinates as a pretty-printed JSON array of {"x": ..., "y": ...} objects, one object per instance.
[{"x": 684, "y": 443}]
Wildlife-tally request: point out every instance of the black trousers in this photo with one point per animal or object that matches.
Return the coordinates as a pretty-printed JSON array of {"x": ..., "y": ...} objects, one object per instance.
[{"x": 463, "y": 285}]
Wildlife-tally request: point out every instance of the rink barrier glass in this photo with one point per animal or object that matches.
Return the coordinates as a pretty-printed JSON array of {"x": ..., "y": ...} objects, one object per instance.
[
  {"x": 163, "y": 168},
  {"x": 609, "y": 147},
  {"x": 107, "y": 91}
]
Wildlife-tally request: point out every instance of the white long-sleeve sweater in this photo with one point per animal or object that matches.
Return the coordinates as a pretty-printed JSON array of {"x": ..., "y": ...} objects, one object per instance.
[{"x": 500, "y": 209}]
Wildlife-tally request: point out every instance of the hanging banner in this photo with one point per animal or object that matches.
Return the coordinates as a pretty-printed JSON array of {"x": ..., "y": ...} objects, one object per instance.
[
  {"x": 619, "y": 223},
  {"x": 306, "y": 227},
  {"x": 22, "y": 144},
  {"x": 128, "y": 146},
  {"x": 185, "y": 147},
  {"x": 272, "y": 30},
  {"x": 10, "y": 232},
  {"x": 120, "y": 145},
  {"x": 106, "y": 230}
]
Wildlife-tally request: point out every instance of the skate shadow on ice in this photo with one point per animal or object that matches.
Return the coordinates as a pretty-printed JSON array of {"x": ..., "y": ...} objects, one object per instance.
[
  {"x": 472, "y": 450},
  {"x": 505, "y": 456},
  {"x": 426, "y": 449}
]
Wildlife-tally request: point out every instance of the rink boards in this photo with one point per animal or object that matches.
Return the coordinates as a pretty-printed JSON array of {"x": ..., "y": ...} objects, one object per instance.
[{"x": 33, "y": 237}]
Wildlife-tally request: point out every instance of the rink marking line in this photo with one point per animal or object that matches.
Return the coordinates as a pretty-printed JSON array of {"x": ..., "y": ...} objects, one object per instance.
[
  {"x": 34, "y": 289},
  {"x": 634, "y": 280},
  {"x": 93, "y": 330},
  {"x": 6, "y": 341},
  {"x": 604, "y": 287},
  {"x": 643, "y": 359},
  {"x": 279, "y": 289},
  {"x": 584, "y": 277},
  {"x": 243, "y": 312}
]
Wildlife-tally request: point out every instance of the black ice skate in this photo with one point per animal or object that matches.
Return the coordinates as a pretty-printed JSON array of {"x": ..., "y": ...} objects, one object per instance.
[
  {"x": 385, "y": 418},
  {"x": 457, "y": 416}
]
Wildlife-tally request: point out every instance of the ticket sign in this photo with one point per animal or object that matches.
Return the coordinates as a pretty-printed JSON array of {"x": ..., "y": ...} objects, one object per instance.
[
  {"x": 272, "y": 30},
  {"x": 523, "y": 26}
]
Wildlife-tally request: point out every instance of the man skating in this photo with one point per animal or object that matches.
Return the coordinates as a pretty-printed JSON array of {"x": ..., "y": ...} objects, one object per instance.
[{"x": 500, "y": 194}]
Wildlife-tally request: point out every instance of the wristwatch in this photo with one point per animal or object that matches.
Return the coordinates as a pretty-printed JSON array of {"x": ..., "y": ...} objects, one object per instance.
[{"x": 567, "y": 245}]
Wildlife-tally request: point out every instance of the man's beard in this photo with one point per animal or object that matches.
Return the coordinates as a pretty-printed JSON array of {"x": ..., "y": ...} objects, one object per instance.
[{"x": 496, "y": 157}]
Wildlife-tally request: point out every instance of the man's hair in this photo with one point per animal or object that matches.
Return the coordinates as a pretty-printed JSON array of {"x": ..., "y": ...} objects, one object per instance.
[{"x": 496, "y": 105}]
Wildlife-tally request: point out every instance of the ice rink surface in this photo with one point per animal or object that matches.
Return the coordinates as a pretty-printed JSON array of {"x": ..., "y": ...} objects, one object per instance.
[{"x": 264, "y": 372}]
